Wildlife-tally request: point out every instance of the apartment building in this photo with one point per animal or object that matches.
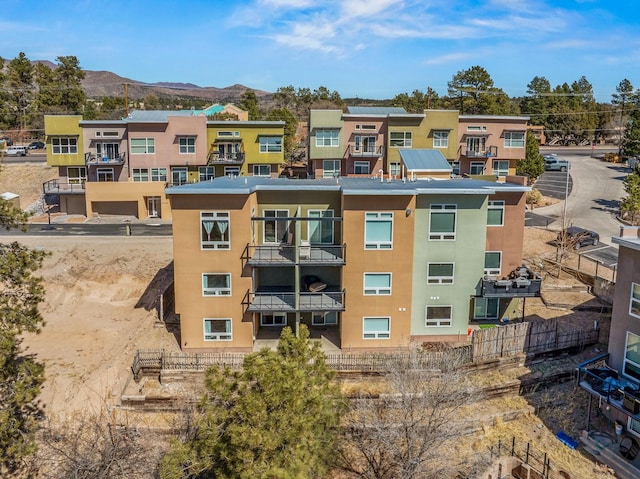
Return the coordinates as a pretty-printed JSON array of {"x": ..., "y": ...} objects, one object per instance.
[
  {"x": 122, "y": 167},
  {"x": 367, "y": 263}
]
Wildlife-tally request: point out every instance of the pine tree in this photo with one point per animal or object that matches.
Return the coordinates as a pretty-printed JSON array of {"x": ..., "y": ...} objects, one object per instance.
[{"x": 533, "y": 163}]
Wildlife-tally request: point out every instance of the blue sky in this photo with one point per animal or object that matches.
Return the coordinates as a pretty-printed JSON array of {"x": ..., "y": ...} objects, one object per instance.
[{"x": 363, "y": 48}]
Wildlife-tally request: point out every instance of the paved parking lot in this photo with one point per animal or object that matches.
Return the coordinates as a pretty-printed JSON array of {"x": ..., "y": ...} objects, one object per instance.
[{"x": 554, "y": 184}]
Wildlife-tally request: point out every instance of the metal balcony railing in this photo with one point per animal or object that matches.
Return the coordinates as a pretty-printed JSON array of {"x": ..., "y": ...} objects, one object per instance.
[
  {"x": 265, "y": 301},
  {"x": 274, "y": 255}
]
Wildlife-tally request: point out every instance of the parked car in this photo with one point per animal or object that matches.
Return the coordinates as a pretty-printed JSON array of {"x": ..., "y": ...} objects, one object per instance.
[
  {"x": 17, "y": 151},
  {"x": 36, "y": 145},
  {"x": 7, "y": 141},
  {"x": 578, "y": 237},
  {"x": 553, "y": 163}
]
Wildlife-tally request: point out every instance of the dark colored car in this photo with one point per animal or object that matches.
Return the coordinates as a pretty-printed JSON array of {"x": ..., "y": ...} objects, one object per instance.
[
  {"x": 36, "y": 145},
  {"x": 7, "y": 140},
  {"x": 578, "y": 237}
]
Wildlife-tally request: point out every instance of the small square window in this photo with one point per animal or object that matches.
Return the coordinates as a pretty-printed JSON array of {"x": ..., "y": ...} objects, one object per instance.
[
  {"x": 216, "y": 284},
  {"x": 377, "y": 284},
  {"x": 492, "y": 263}
]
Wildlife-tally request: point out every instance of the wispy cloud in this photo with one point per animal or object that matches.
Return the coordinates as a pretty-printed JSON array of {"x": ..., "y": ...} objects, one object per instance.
[{"x": 449, "y": 58}]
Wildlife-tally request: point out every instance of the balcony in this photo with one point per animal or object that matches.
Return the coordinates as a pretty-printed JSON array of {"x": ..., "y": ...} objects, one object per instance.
[
  {"x": 365, "y": 151},
  {"x": 289, "y": 301},
  {"x": 58, "y": 186},
  {"x": 91, "y": 159},
  {"x": 488, "y": 152},
  {"x": 217, "y": 158},
  {"x": 520, "y": 283},
  {"x": 285, "y": 255}
]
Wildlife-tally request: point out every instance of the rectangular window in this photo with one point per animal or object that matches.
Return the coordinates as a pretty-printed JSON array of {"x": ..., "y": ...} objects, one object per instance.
[
  {"x": 365, "y": 127},
  {"x": 270, "y": 144},
  {"x": 394, "y": 169},
  {"x": 330, "y": 168},
  {"x": 179, "y": 175},
  {"x": 214, "y": 230},
  {"x": 376, "y": 328},
  {"x": 206, "y": 173},
  {"x": 378, "y": 231},
  {"x": 501, "y": 167},
  {"x": 187, "y": 145},
  {"x": 400, "y": 139},
  {"x": 442, "y": 224},
  {"x": 140, "y": 174},
  {"x": 455, "y": 168},
  {"x": 217, "y": 329},
  {"x": 273, "y": 319},
  {"x": 377, "y": 284},
  {"x": 492, "y": 263},
  {"x": 231, "y": 171},
  {"x": 320, "y": 232},
  {"x": 440, "y": 273},
  {"x": 322, "y": 319},
  {"x": 327, "y": 138},
  {"x": 485, "y": 308},
  {"x": 107, "y": 151},
  {"x": 216, "y": 284},
  {"x": 76, "y": 175},
  {"x": 63, "y": 145},
  {"x": 476, "y": 145},
  {"x": 104, "y": 174},
  {"x": 228, "y": 134},
  {"x": 261, "y": 170},
  {"x": 438, "y": 316},
  {"x": 477, "y": 168},
  {"x": 634, "y": 305},
  {"x": 631, "y": 366},
  {"x": 275, "y": 230},
  {"x": 633, "y": 425},
  {"x": 514, "y": 139},
  {"x": 142, "y": 146},
  {"x": 440, "y": 139},
  {"x": 495, "y": 213},
  {"x": 365, "y": 144},
  {"x": 361, "y": 167}
]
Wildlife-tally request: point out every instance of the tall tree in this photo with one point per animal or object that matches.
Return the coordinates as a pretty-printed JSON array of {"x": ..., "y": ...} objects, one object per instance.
[
  {"x": 532, "y": 165},
  {"x": 69, "y": 76},
  {"x": 290, "y": 128},
  {"x": 630, "y": 204},
  {"x": 249, "y": 103},
  {"x": 20, "y": 83},
  {"x": 277, "y": 417},
  {"x": 621, "y": 101},
  {"x": 472, "y": 92}
]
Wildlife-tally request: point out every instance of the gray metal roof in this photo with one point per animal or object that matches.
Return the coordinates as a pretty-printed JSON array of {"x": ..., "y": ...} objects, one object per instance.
[
  {"x": 349, "y": 186},
  {"x": 155, "y": 115},
  {"x": 376, "y": 110},
  {"x": 424, "y": 160}
]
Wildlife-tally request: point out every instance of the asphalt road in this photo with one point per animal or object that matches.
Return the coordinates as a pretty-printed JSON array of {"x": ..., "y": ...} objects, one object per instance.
[
  {"x": 89, "y": 229},
  {"x": 39, "y": 157}
]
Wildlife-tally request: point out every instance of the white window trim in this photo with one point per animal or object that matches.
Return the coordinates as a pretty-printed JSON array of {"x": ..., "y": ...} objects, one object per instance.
[
  {"x": 208, "y": 172},
  {"x": 631, "y": 300},
  {"x": 357, "y": 164},
  {"x": 267, "y": 146},
  {"x": 321, "y": 221},
  {"x": 215, "y": 245},
  {"x": 138, "y": 173},
  {"x": 490, "y": 271},
  {"x": 333, "y": 170},
  {"x": 441, "y": 279},
  {"x": 378, "y": 245},
  {"x": 496, "y": 171},
  {"x": 207, "y": 292},
  {"x": 334, "y": 140},
  {"x": 376, "y": 334},
  {"x": 189, "y": 143},
  {"x": 477, "y": 163},
  {"x": 276, "y": 222},
  {"x": 407, "y": 139},
  {"x": 108, "y": 171},
  {"x": 625, "y": 360},
  {"x": 440, "y": 209},
  {"x": 70, "y": 143},
  {"x": 150, "y": 146},
  {"x": 376, "y": 290},
  {"x": 509, "y": 140},
  {"x": 441, "y": 323},
  {"x": 395, "y": 168},
  {"x": 218, "y": 336},
  {"x": 275, "y": 314},
  {"x": 229, "y": 169},
  {"x": 258, "y": 167},
  {"x": 443, "y": 139},
  {"x": 496, "y": 205}
]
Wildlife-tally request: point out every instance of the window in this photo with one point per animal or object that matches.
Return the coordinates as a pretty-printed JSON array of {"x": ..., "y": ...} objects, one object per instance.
[
  {"x": 231, "y": 171},
  {"x": 400, "y": 139},
  {"x": 320, "y": 232},
  {"x": 110, "y": 151},
  {"x": 492, "y": 262},
  {"x": 228, "y": 134},
  {"x": 365, "y": 144},
  {"x": 394, "y": 169},
  {"x": 361, "y": 167},
  {"x": 216, "y": 284},
  {"x": 438, "y": 316},
  {"x": 63, "y": 145},
  {"x": 442, "y": 224},
  {"x": 633, "y": 425},
  {"x": 476, "y": 128},
  {"x": 142, "y": 146},
  {"x": 495, "y": 213},
  {"x": 330, "y": 168},
  {"x": 376, "y": 328},
  {"x": 475, "y": 145},
  {"x": 378, "y": 230},
  {"x": 634, "y": 305},
  {"x": 179, "y": 175},
  {"x": 327, "y": 138},
  {"x": 321, "y": 319},
  {"x": 214, "y": 230},
  {"x": 501, "y": 167},
  {"x": 455, "y": 168},
  {"x": 140, "y": 174},
  {"x": 440, "y": 273},
  {"x": 631, "y": 365},
  {"x": 377, "y": 284},
  {"x": 104, "y": 174},
  {"x": 270, "y": 144},
  {"x": 477, "y": 168},
  {"x": 275, "y": 231},
  {"x": 485, "y": 308},
  {"x": 187, "y": 144},
  {"x": 440, "y": 139},
  {"x": 273, "y": 319},
  {"x": 217, "y": 329},
  {"x": 206, "y": 173},
  {"x": 514, "y": 139},
  {"x": 261, "y": 170},
  {"x": 76, "y": 175},
  {"x": 365, "y": 127}
]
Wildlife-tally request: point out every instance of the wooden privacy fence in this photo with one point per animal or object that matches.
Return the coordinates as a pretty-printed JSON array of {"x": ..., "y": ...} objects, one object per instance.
[{"x": 533, "y": 337}]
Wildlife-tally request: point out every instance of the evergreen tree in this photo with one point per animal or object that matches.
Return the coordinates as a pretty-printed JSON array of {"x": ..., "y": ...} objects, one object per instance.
[
  {"x": 277, "y": 417},
  {"x": 249, "y": 103},
  {"x": 630, "y": 204},
  {"x": 290, "y": 127},
  {"x": 532, "y": 165},
  {"x": 68, "y": 77}
]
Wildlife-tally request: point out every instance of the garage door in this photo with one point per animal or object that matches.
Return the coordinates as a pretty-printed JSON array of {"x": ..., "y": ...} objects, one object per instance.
[{"x": 124, "y": 208}]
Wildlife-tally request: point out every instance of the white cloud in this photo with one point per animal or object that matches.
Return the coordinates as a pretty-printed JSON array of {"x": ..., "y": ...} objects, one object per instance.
[{"x": 449, "y": 58}]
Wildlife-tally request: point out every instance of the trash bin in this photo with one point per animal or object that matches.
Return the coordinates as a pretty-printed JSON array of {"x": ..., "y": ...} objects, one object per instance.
[{"x": 618, "y": 429}]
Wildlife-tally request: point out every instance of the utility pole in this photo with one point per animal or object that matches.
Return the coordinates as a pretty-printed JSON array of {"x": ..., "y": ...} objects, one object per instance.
[{"x": 428, "y": 98}]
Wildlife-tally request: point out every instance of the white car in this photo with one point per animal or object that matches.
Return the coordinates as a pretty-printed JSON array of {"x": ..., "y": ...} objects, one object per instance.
[{"x": 17, "y": 151}]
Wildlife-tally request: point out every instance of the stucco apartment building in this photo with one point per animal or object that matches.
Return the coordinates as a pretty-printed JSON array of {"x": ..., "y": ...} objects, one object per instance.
[
  {"x": 367, "y": 263},
  {"x": 122, "y": 167}
]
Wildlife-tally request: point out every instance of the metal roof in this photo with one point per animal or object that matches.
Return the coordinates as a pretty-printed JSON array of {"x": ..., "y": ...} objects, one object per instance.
[
  {"x": 376, "y": 110},
  {"x": 425, "y": 160},
  {"x": 155, "y": 115}
]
